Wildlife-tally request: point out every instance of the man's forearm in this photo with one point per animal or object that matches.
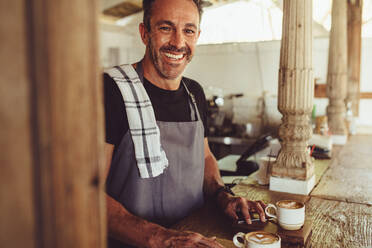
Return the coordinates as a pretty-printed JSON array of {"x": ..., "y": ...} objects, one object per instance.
[
  {"x": 123, "y": 225},
  {"x": 129, "y": 228},
  {"x": 212, "y": 177}
]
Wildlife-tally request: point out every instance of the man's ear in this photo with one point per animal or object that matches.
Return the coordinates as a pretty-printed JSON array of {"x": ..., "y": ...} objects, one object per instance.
[{"x": 144, "y": 33}]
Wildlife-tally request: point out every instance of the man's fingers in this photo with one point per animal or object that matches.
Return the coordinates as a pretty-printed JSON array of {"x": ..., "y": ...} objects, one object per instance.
[
  {"x": 197, "y": 240},
  {"x": 263, "y": 205},
  {"x": 210, "y": 243},
  {"x": 234, "y": 215},
  {"x": 260, "y": 211},
  {"x": 231, "y": 211},
  {"x": 244, "y": 208},
  {"x": 207, "y": 242}
]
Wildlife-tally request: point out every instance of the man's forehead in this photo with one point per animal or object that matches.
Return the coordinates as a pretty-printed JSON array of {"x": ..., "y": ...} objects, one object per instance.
[
  {"x": 175, "y": 9},
  {"x": 170, "y": 23}
]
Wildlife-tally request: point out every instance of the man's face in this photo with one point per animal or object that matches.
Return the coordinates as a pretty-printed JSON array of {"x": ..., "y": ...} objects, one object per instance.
[{"x": 172, "y": 39}]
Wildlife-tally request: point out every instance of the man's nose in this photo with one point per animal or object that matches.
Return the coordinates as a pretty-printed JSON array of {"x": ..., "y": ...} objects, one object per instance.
[{"x": 177, "y": 39}]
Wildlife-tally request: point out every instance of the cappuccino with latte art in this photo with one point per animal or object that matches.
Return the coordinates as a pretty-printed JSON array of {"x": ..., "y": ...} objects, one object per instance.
[
  {"x": 290, "y": 204},
  {"x": 289, "y": 213},
  {"x": 258, "y": 239}
]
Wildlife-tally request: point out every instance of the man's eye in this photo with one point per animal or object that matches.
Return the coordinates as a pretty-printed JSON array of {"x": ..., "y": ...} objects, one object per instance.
[
  {"x": 165, "y": 28},
  {"x": 189, "y": 31}
]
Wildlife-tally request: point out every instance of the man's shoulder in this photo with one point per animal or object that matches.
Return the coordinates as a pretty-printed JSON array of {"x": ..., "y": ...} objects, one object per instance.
[
  {"x": 116, "y": 71},
  {"x": 110, "y": 87}
]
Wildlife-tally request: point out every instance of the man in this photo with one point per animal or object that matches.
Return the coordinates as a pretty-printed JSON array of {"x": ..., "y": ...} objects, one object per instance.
[{"x": 148, "y": 193}]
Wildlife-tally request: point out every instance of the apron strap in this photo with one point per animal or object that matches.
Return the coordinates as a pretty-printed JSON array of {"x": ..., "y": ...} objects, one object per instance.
[
  {"x": 139, "y": 70},
  {"x": 193, "y": 106}
]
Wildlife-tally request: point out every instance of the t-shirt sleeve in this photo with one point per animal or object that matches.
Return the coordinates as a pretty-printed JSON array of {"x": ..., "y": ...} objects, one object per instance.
[{"x": 115, "y": 114}]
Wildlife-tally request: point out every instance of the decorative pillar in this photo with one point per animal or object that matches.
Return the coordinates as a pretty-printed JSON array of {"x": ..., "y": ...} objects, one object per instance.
[
  {"x": 293, "y": 171},
  {"x": 337, "y": 72},
  {"x": 354, "y": 44}
]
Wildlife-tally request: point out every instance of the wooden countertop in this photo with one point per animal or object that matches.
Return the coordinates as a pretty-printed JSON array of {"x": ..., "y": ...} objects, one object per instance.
[{"x": 340, "y": 206}]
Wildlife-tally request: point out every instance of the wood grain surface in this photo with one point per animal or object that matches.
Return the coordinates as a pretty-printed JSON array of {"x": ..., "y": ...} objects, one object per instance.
[
  {"x": 340, "y": 224},
  {"x": 211, "y": 222},
  {"x": 52, "y": 126},
  {"x": 208, "y": 221},
  {"x": 335, "y": 223},
  {"x": 320, "y": 166},
  {"x": 349, "y": 176},
  {"x": 356, "y": 153},
  {"x": 289, "y": 238},
  {"x": 259, "y": 193},
  {"x": 17, "y": 224},
  {"x": 69, "y": 124}
]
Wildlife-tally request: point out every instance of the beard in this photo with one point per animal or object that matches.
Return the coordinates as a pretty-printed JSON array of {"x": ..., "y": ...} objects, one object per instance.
[{"x": 164, "y": 69}]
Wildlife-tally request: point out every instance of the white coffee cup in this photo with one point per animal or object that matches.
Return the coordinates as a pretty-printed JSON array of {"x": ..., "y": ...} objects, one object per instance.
[
  {"x": 258, "y": 239},
  {"x": 289, "y": 213},
  {"x": 263, "y": 174}
]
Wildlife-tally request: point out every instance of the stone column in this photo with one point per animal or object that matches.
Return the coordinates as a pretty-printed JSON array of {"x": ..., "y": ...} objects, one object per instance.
[
  {"x": 354, "y": 40},
  {"x": 294, "y": 171},
  {"x": 337, "y": 72}
]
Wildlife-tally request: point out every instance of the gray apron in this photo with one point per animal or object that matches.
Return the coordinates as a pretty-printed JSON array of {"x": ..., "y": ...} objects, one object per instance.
[{"x": 175, "y": 193}]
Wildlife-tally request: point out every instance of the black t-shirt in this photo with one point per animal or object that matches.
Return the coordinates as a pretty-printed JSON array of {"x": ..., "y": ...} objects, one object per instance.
[{"x": 168, "y": 105}]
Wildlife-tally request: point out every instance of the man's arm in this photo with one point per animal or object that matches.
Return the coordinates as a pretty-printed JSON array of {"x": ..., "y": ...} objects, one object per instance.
[
  {"x": 130, "y": 229},
  {"x": 230, "y": 204}
]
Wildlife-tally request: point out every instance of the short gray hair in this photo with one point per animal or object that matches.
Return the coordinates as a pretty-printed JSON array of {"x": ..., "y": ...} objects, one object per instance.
[{"x": 147, "y": 6}]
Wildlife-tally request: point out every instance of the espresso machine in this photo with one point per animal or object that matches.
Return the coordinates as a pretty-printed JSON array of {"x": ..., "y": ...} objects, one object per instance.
[{"x": 220, "y": 113}]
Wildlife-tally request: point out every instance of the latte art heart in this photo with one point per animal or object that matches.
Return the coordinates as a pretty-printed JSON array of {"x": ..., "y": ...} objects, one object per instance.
[
  {"x": 257, "y": 239},
  {"x": 262, "y": 238},
  {"x": 290, "y": 204}
]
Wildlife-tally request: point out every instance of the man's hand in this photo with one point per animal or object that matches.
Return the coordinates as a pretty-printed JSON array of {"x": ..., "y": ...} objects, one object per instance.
[
  {"x": 234, "y": 206},
  {"x": 168, "y": 238}
]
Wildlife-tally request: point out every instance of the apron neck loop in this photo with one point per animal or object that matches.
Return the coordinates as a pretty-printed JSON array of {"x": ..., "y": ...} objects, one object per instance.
[
  {"x": 193, "y": 106},
  {"x": 139, "y": 70}
]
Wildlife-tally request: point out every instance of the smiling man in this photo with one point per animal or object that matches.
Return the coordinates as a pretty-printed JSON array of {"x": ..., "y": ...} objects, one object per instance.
[{"x": 159, "y": 165}]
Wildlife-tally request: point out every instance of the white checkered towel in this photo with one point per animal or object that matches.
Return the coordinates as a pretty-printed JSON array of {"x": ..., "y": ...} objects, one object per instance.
[{"x": 151, "y": 158}]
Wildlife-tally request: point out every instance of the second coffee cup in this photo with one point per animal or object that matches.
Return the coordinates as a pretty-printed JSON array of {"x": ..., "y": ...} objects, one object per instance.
[
  {"x": 289, "y": 213},
  {"x": 258, "y": 239}
]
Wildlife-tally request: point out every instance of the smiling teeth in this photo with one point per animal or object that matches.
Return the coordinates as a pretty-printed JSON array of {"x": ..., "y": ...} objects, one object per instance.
[{"x": 173, "y": 56}]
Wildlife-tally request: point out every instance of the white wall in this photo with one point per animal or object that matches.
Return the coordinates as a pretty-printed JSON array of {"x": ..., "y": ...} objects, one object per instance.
[
  {"x": 251, "y": 69},
  {"x": 245, "y": 68},
  {"x": 365, "y": 105},
  {"x": 248, "y": 68},
  {"x": 366, "y": 66},
  {"x": 130, "y": 47}
]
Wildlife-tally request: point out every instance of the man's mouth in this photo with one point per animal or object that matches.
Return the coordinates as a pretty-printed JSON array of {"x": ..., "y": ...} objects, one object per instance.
[{"x": 174, "y": 56}]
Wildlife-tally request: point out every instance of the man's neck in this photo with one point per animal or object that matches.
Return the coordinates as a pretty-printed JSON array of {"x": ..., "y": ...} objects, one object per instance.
[{"x": 151, "y": 74}]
